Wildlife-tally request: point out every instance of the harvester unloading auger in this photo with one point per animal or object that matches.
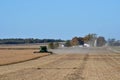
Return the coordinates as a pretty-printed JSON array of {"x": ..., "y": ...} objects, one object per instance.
[{"x": 43, "y": 49}]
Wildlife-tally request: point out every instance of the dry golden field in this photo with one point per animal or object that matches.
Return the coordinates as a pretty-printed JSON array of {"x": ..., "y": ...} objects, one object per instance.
[
  {"x": 90, "y": 65},
  {"x": 14, "y": 56},
  {"x": 10, "y": 54}
]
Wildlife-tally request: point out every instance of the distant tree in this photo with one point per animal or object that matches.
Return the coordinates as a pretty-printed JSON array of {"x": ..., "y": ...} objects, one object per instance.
[
  {"x": 116, "y": 43},
  {"x": 87, "y": 38},
  {"x": 77, "y": 41},
  {"x": 51, "y": 45},
  {"x": 56, "y": 45},
  {"x": 101, "y": 41},
  {"x": 27, "y": 40},
  {"x": 113, "y": 42},
  {"x": 68, "y": 43},
  {"x": 90, "y": 37},
  {"x": 81, "y": 41}
]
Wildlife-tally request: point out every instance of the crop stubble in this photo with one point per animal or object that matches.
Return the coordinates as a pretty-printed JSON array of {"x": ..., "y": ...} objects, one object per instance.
[{"x": 89, "y": 66}]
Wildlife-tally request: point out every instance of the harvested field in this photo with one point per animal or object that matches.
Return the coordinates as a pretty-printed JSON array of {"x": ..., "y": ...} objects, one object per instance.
[
  {"x": 104, "y": 65},
  {"x": 11, "y": 54},
  {"x": 15, "y": 56}
]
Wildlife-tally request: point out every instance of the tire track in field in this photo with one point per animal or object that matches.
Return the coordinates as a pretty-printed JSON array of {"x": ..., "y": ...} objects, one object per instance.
[
  {"x": 30, "y": 64},
  {"x": 112, "y": 61},
  {"x": 77, "y": 74},
  {"x": 109, "y": 68},
  {"x": 55, "y": 70}
]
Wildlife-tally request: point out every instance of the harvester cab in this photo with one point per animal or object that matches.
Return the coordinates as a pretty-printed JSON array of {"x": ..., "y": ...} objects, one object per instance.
[{"x": 43, "y": 49}]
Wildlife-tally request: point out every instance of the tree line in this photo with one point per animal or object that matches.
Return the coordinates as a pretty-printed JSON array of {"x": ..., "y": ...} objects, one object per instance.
[
  {"x": 113, "y": 42},
  {"x": 90, "y": 39},
  {"x": 29, "y": 40}
]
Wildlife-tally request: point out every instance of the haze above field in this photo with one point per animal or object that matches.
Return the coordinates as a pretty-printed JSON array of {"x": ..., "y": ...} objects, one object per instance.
[{"x": 62, "y": 19}]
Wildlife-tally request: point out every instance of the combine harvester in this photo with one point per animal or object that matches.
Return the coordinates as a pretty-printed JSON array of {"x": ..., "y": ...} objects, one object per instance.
[{"x": 43, "y": 49}]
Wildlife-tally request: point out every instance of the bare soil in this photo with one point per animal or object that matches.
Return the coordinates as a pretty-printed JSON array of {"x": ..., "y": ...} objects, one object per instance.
[
  {"x": 104, "y": 65},
  {"x": 15, "y": 56}
]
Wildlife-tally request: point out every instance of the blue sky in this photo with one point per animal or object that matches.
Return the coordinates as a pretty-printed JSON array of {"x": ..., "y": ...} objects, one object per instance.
[{"x": 59, "y": 19}]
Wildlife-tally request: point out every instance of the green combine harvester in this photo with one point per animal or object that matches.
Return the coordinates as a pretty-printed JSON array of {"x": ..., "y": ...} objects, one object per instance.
[{"x": 43, "y": 49}]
